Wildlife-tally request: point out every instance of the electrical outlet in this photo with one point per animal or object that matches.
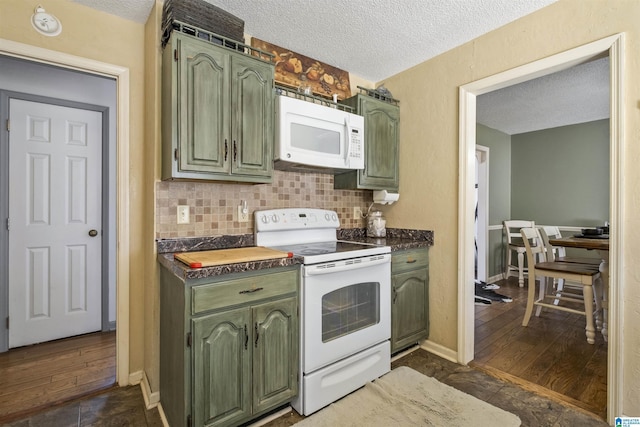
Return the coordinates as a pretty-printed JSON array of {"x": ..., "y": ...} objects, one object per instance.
[
  {"x": 243, "y": 216},
  {"x": 183, "y": 214},
  {"x": 357, "y": 212}
]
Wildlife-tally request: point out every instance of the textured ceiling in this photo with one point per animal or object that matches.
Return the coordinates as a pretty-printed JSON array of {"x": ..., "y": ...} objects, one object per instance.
[
  {"x": 133, "y": 10},
  {"x": 376, "y": 39},
  {"x": 576, "y": 95}
]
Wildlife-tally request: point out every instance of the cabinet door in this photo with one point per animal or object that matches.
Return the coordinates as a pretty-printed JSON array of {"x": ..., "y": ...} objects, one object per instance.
[
  {"x": 382, "y": 123},
  {"x": 202, "y": 98},
  {"x": 275, "y": 353},
  {"x": 222, "y": 368},
  {"x": 253, "y": 119},
  {"x": 410, "y": 308}
]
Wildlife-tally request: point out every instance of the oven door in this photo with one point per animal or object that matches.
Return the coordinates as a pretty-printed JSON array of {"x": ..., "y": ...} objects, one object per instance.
[{"x": 346, "y": 308}]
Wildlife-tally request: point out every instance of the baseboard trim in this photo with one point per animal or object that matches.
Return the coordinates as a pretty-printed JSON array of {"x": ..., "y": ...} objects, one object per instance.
[
  {"x": 151, "y": 399},
  {"x": 163, "y": 417},
  {"x": 495, "y": 278},
  {"x": 439, "y": 350},
  {"x": 135, "y": 378}
]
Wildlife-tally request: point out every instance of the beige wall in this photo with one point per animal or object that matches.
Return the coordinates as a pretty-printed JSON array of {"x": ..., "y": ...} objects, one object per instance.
[
  {"x": 153, "y": 52},
  {"x": 429, "y": 148},
  {"x": 102, "y": 37}
]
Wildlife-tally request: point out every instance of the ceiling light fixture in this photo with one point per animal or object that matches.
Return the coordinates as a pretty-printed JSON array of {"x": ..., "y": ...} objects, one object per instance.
[{"x": 45, "y": 23}]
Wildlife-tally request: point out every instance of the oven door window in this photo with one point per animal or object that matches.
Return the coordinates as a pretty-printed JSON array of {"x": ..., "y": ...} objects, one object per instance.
[{"x": 350, "y": 309}]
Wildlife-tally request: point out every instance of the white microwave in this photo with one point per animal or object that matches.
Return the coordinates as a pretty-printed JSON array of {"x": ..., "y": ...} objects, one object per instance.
[{"x": 317, "y": 138}]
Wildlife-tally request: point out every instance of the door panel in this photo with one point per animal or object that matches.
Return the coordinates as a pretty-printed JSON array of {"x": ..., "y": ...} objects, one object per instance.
[
  {"x": 55, "y": 199},
  {"x": 222, "y": 368},
  {"x": 202, "y": 95},
  {"x": 252, "y": 88},
  {"x": 275, "y": 358}
]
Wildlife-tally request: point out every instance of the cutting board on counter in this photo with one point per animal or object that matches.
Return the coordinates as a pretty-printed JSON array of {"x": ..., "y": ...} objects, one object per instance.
[{"x": 229, "y": 256}]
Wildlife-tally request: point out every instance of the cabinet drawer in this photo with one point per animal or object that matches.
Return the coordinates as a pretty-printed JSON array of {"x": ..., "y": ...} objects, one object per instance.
[
  {"x": 410, "y": 259},
  {"x": 242, "y": 290}
]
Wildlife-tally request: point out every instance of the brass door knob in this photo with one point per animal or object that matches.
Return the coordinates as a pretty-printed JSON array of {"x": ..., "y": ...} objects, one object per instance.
[{"x": 93, "y": 233}]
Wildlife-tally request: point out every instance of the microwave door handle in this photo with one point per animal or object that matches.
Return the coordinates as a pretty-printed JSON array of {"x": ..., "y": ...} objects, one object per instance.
[{"x": 348, "y": 141}]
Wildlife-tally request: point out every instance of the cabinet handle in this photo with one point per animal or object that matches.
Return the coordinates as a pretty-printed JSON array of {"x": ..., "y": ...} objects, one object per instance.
[
  {"x": 226, "y": 149},
  {"x": 246, "y": 338},
  {"x": 411, "y": 261},
  {"x": 235, "y": 151},
  {"x": 257, "y": 335},
  {"x": 395, "y": 295},
  {"x": 250, "y": 291}
]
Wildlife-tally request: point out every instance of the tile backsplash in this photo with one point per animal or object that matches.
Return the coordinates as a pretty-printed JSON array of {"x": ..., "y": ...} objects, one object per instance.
[{"x": 214, "y": 205}]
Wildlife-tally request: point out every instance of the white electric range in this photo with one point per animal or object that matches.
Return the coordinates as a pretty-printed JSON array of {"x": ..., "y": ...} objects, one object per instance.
[{"x": 345, "y": 302}]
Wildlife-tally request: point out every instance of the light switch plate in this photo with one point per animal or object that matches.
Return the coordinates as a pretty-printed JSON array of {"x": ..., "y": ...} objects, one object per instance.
[{"x": 183, "y": 214}]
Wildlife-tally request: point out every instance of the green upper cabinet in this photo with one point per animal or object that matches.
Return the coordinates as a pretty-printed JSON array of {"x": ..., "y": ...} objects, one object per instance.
[
  {"x": 381, "y": 130},
  {"x": 217, "y": 113}
]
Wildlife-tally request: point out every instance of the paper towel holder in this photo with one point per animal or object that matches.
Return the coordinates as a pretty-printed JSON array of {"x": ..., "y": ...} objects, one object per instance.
[{"x": 385, "y": 197}]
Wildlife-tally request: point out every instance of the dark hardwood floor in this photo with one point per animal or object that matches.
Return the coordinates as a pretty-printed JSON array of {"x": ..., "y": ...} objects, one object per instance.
[
  {"x": 550, "y": 356},
  {"x": 43, "y": 375}
]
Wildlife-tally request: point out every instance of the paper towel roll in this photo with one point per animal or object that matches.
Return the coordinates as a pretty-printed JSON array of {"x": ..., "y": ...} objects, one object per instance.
[{"x": 384, "y": 197}]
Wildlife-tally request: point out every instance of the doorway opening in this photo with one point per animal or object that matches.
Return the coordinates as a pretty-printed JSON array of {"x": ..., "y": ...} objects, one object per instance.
[
  {"x": 121, "y": 187},
  {"x": 611, "y": 46}
]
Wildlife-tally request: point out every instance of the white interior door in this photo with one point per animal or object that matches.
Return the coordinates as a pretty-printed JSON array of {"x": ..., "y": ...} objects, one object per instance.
[
  {"x": 55, "y": 219},
  {"x": 482, "y": 212}
]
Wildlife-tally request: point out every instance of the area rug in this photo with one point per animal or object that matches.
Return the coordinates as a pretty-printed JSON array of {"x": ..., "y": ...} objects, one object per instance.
[{"x": 405, "y": 397}]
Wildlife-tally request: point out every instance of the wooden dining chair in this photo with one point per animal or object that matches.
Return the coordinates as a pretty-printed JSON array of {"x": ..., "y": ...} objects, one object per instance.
[
  {"x": 559, "y": 253},
  {"x": 514, "y": 244},
  {"x": 585, "y": 275}
]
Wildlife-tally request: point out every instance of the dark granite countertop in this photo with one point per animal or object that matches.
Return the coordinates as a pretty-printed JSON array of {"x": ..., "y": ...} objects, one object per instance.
[
  {"x": 185, "y": 272},
  {"x": 397, "y": 239}
]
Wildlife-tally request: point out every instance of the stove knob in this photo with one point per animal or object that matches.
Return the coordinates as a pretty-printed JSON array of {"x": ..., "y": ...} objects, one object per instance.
[
  {"x": 264, "y": 219},
  {"x": 334, "y": 217},
  {"x": 275, "y": 218},
  {"x": 327, "y": 217}
]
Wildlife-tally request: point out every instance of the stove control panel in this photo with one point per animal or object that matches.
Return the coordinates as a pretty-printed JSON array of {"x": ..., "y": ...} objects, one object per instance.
[{"x": 295, "y": 218}]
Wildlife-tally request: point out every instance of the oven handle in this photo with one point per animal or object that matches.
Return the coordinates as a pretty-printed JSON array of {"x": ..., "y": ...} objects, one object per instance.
[{"x": 344, "y": 265}]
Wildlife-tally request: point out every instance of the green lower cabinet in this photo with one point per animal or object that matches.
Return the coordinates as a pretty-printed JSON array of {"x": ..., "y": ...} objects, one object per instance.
[
  {"x": 222, "y": 368},
  {"x": 275, "y": 371},
  {"x": 410, "y": 298},
  {"x": 229, "y": 347}
]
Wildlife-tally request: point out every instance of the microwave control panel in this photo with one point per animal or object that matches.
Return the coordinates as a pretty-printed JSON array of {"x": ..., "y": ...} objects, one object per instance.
[{"x": 356, "y": 144}]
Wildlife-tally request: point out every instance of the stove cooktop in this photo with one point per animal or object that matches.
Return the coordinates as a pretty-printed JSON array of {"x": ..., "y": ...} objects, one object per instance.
[
  {"x": 309, "y": 233},
  {"x": 332, "y": 251}
]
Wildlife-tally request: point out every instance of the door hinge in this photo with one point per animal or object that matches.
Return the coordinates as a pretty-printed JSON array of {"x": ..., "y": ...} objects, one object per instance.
[
  {"x": 175, "y": 154},
  {"x": 8, "y": 125},
  {"x": 8, "y": 223},
  {"x": 175, "y": 55},
  {"x": 189, "y": 422},
  {"x": 189, "y": 340}
]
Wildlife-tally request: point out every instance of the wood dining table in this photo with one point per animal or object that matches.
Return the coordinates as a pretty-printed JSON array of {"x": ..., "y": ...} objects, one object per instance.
[{"x": 601, "y": 244}]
